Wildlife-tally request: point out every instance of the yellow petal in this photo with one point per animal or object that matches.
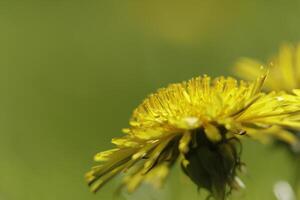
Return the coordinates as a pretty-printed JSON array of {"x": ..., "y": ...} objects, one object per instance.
[
  {"x": 104, "y": 155},
  {"x": 184, "y": 142},
  {"x": 212, "y": 133}
]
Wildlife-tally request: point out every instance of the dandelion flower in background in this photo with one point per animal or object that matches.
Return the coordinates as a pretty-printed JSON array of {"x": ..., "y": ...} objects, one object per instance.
[
  {"x": 198, "y": 123},
  {"x": 284, "y": 69}
]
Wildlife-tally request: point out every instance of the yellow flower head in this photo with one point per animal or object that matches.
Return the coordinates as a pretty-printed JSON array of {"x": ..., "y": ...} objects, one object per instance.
[
  {"x": 199, "y": 123},
  {"x": 284, "y": 69}
]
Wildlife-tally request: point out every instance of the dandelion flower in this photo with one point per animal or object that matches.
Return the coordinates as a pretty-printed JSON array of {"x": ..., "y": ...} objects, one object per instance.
[
  {"x": 198, "y": 123},
  {"x": 284, "y": 69}
]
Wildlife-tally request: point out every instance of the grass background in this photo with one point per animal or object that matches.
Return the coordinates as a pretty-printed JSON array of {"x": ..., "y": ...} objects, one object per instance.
[{"x": 71, "y": 73}]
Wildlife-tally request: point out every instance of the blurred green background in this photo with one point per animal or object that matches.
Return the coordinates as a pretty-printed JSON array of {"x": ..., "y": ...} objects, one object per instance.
[{"x": 71, "y": 73}]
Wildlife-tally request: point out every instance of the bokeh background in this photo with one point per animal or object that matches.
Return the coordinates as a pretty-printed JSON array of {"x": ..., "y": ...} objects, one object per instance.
[{"x": 72, "y": 71}]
